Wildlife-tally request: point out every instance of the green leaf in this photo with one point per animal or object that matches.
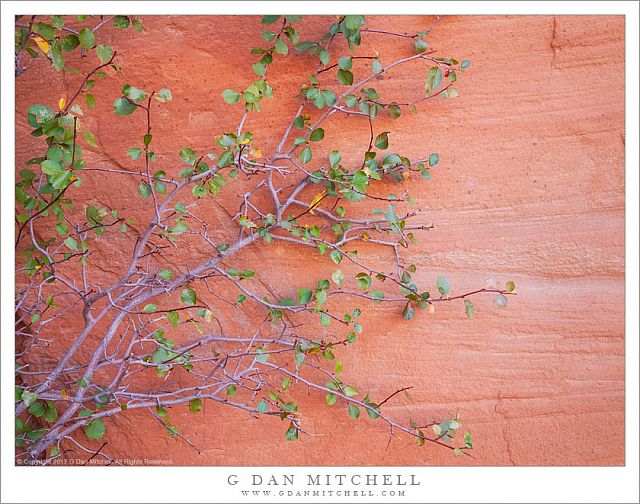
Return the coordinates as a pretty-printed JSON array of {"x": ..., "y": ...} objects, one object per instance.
[
  {"x": 134, "y": 152},
  {"x": 433, "y": 159},
  {"x": 510, "y": 286},
  {"x": 150, "y": 308},
  {"x": 354, "y": 411},
  {"x": 345, "y": 77},
  {"x": 350, "y": 391},
  {"x": 86, "y": 38},
  {"x": 465, "y": 64},
  {"x": 164, "y": 95},
  {"x": 353, "y": 22},
  {"x": 316, "y": 135},
  {"x": 376, "y": 66},
  {"x": 95, "y": 429},
  {"x": 174, "y": 318},
  {"x": 334, "y": 158},
  {"x": 434, "y": 79},
  {"x": 70, "y": 42},
  {"x": 408, "y": 312},
  {"x": 38, "y": 115},
  {"x": 230, "y": 96},
  {"x": 468, "y": 306},
  {"x": 281, "y": 47},
  {"x": 292, "y": 433},
  {"x": 324, "y": 56},
  {"x": 45, "y": 30},
  {"x": 104, "y": 53},
  {"x": 72, "y": 244},
  {"x": 195, "y": 405},
  {"x": 51, "y": 167},
  {"x": 378, "y": 294},
  {"x": 90, "y": 100},
  {"x": 500, "y": 300},
  {"x": 421, "y": 46},
  {"x": 262, "y": 406},
  {"x": 37, "y": 409},
  {"x": 337, "y": 277},
  {"x": 321, "y": 297},
  {"x": 382, "y": 140},
  {"x": 121, "y": 22},
  {"x": 345, "y": 63},
  {"x": 56, "y": 56},
  {"x": 57, "y": 22},
  {"x": 188, "y": 297},
  {"x": 305, "y": 46},
  {"x": 144, "y": 189},
  {"x": 259, "y": 68},
  {"x": 188, "y": 155},
  {"x": 89, "y": 138},
  {"x": 267, "y": 20},
  {"x": 443, "y": 284},
  {"x": 331, "y": 399},
  {"x": 231, "y": 390},
  {"x": 306, "y": 155},
  {"x": 304, "y": 296},
  {"x": 226, "y": 159},
  {"x": 374, "y": 412},
  {"x": 468, "y": 441},
  {"x": 166, "y": 274},
  {"x": 351, "y": 100},
  {"x": 325, "y": 320},
  {"x": 364, "y": 281},
  {"x": 123, "y": 107},
  {"x": 29, "y": 397},
  {"x": 394, "y": 111},
  {"x": 199, "y": 191},
  {"x": 262, "y": 357},
  {"x": 50, "y": 412}
]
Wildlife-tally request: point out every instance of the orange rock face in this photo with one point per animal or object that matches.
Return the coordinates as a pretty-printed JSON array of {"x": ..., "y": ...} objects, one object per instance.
[{"x": 530, "y": 188}]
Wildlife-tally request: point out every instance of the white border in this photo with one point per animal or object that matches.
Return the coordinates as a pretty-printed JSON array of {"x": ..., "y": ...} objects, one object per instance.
[{"x": 484, "y": 484}]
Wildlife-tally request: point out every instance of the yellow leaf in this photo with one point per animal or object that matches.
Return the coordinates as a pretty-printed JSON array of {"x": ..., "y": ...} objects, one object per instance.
[
  {"x": 245, "y": 141},
  {"x": 42, "y": 44},
  {"x": 61, "y": 103},
  {"x": 314, "y": 202},
  {"x": 431, "y": 308},
  {"x": 257, "y": 153},
  {"x": 64, "y": 394}
]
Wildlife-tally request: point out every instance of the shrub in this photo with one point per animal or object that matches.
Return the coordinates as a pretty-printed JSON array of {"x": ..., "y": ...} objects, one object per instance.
[{"x": 304, "y": 194}]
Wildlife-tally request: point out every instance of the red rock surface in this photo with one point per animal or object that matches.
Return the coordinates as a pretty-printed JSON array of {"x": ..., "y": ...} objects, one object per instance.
[{"x": 530, "y": 188}]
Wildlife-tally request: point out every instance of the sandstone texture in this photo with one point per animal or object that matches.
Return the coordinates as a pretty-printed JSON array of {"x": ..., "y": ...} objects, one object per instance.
[{"x": 530, "y": 188}]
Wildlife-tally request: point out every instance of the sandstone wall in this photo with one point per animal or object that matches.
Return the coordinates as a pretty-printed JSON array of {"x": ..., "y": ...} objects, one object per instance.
[{"x": 530, "y": 188}]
